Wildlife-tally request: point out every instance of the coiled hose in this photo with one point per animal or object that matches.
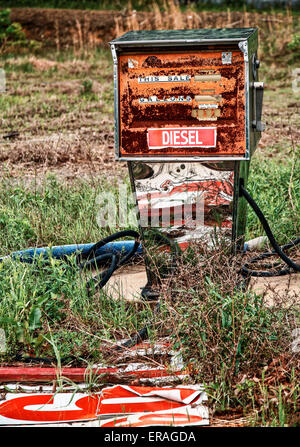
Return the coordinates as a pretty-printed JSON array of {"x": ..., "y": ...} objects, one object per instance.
[
  {"x": 279, "y": 250},
  {"x": 90, "y": 259}
]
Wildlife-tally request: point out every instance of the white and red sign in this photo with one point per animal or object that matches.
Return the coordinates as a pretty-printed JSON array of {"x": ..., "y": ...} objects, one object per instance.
[
  {"x": 182, "y": 137},
  {"x": 111, "y": 407},
  {"x": 182, "y": 416}
]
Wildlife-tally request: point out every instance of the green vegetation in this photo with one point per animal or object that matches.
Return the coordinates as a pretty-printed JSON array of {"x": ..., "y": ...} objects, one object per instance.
[
  {"x": 275, "y": 186},
  {"x": 51, "y": 296},
  {"x": 51, "y": 213},
  {"x": 12, "y": 37},
  {"x": 10, "y": 33},
  {"x": 233, "y": 342},
  {"x": 61, "y": 103},
  {"x": 294, "y": 48}
]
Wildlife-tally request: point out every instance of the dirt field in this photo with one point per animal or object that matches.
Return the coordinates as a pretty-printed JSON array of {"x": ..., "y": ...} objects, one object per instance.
[
  {"x": 64, "y": 28},
  {"x": 61, "y": 107},
  {"x": 69, "y": 131},
  {"x": 65, "y": 124}
]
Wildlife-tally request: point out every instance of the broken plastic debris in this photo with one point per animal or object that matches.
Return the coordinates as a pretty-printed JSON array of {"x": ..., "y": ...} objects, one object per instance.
[{"x": 256, "y": 243}]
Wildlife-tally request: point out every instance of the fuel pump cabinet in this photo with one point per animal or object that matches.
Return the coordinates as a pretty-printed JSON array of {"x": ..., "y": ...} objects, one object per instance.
[{"x": 188, "y": 107}]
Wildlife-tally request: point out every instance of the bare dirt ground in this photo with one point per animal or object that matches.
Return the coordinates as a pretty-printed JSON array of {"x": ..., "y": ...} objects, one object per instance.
[
  {"x": 66, "y": 125},
  {"x": 62, "y": 129},
  {"x": 58, "y": 117}
]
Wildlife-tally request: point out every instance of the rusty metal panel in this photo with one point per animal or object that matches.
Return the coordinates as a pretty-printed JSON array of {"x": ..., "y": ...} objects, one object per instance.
[{"x": 183, "y": 104}]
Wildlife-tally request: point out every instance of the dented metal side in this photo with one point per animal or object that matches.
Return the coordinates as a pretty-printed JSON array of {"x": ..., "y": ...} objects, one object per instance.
[{"x": 187, "y": 201}]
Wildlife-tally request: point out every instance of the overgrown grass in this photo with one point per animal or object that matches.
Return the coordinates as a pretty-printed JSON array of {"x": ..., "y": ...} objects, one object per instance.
[
  {"x": 230, "y": 340},
  {"x": 54, "y": 212},
  {"x": 275, "y": 185},
  {"x": 35, "y": 295},
  {"x": 52, "y": 295},
  {"x": 51, "y": 213},
  {"x": 234, "y": 343}
]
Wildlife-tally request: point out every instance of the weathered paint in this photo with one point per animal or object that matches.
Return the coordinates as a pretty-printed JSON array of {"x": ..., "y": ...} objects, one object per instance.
[
  {"x": 182, "y": 417},
  {"x": 32, "y": 374},
  {"x": 136, "y": 370},
  {"x": 182, "y": 90},
  {"x": 33, "y": 408},
  {"x": 182, "y": 137}
]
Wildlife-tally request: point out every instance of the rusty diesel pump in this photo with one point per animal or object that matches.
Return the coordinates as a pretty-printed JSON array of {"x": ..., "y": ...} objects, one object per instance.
[{"x": 188, "y": 107}]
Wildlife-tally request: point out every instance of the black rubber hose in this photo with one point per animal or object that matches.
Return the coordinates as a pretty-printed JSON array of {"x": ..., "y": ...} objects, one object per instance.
[
  {"x": 126, "y": 233},
  {"x": 116, "y": 261},
  {"x": 143, "y": 333},
  {"x": 91, "y": 260},
  {"x": 103, "y": 277},
  {"x": 277, "y": 248}
]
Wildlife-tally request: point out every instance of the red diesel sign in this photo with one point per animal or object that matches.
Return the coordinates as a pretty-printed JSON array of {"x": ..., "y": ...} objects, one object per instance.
[{"x": 182, "y": 137}]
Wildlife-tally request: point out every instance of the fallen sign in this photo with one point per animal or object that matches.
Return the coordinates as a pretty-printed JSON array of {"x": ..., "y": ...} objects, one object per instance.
[
  {"x": 120, "y": 405},
  {"x": 134, "y": 364},
  {"x": 155, "y": 406},
  {"x": 131, "y": 372}
]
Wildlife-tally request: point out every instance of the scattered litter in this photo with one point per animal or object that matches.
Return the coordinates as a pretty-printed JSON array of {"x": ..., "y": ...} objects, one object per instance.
[
  {"x": 183, "y": 416},
  {"x": 255, "y": 244},
  {"x": 147, "y": 348},
  {"x": 2, "y": 341},
  {"x": 125, "y": 373},
  {"x": 11, "y": 135},
  {"x": 28, "y": 409},
  {"x": 295, "y": 346},
  {"x": 154, "y": 406}
]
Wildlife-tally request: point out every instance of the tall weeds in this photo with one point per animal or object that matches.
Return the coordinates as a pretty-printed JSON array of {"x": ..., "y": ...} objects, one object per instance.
[
  {"x": 276, "y": 30},
  {"x": 223, "y": 330}
]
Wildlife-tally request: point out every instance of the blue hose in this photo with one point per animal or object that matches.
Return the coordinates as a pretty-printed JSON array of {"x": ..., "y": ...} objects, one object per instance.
[
  {"x": 107, "y": 249},
  {"x": 60, "y": 251}
]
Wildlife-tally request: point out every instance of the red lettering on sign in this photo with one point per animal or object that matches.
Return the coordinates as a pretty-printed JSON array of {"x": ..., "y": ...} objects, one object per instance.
[
  {"x": 182, "y": 137},
  {"x": 16, "y": 409},
  {"x": 145, "y": 420}
]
